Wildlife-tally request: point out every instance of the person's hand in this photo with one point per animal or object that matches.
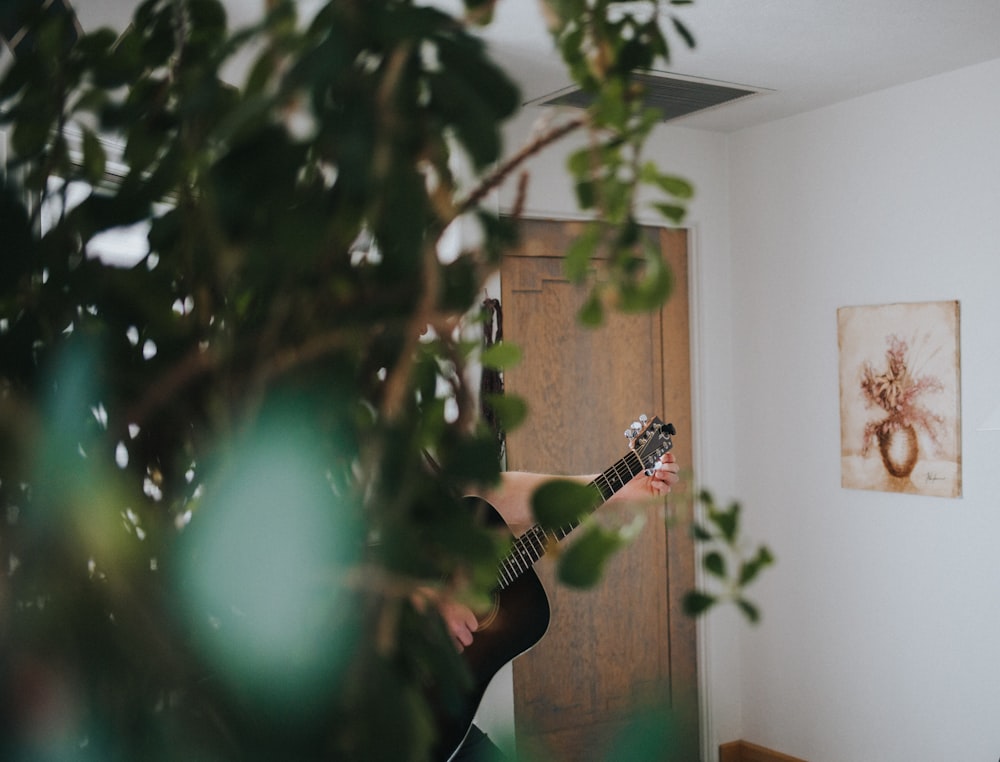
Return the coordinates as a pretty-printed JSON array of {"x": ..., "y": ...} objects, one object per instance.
[
  {"x": 665, "y": 475},
  {"x": 460, "y": 620}
]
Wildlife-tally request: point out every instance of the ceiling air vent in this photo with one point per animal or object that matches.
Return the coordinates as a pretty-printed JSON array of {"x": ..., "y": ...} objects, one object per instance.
[{"x": 673, "y": 95}]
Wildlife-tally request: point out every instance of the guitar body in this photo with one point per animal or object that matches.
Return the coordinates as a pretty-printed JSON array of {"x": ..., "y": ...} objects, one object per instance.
[{"x": 517, "y": 621}]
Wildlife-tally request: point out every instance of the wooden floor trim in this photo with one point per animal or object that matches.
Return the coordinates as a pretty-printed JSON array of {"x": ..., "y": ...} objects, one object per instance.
[{"x": 744, "y": 751}]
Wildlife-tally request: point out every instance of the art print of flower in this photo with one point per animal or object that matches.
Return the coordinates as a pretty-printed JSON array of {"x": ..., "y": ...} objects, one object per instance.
[
  {"x": 898, "y": 388},
  {"x": 900, "y": 419}
]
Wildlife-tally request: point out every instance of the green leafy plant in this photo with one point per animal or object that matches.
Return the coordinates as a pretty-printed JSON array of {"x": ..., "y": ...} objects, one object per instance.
[
  {"x": 217, "y": 503},
  {"x": 730, "y": 568}
]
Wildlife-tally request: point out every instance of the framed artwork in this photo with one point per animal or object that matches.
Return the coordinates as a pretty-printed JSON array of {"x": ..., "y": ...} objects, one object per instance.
[{"x": 900, "y": 413}]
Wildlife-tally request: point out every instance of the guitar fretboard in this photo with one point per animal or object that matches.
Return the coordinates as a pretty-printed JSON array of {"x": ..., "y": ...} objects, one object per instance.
[{"x": 531, "y": 546}]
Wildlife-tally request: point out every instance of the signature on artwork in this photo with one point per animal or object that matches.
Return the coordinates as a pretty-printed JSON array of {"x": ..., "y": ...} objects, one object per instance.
[{"x": 933, "y": 477}]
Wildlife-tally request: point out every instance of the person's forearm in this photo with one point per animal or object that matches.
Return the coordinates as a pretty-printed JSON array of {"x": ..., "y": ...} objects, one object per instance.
[{"x": 512, "y": 495}]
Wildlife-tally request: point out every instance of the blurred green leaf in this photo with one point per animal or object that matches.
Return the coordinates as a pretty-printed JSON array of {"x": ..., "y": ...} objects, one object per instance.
[
  {"x": 480, "y": 11},
  {"x": 715, "y": 564},
  {"x": 486, "y": 94},
  {"x": 580, "y": 162},
  {"x": 581, "y": 251},
  {"x": 672, "y": 212},
  {"x": 727, "y": 521},
  {"x": 681, "y": 28},
  {"x": 586, "y": 194},
  {"x": 582, "y": 564},
  {"x": 94, "y": 159},
  {"x": 592, "y": 312},
  {"x": 697, "y": 603},
  {"x": 559, "y": 503},
  {"x": 750, "y": 569},
  {"x": 511, "y": 410},
  {"x": 30, "y": 134},
  {"x": 17, "y": 258},
  {"x": 651, "y": 288},
  {"x": 673, "y": 185},
  {"x": 751, "y": 611},
  {"x": 700, "y": 533},
  {"x": 501, "y": 356}
]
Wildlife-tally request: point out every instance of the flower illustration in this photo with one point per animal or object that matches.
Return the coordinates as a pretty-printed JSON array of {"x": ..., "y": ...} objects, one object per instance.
[{"x": 897, "y": 390}]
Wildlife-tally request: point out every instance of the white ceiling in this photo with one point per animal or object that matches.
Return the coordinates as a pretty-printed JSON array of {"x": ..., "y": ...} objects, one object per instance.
[{"x": 802, "y": 54}]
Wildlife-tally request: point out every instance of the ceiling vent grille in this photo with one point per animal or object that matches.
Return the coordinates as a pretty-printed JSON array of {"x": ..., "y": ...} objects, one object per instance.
[{"x": 674, "y": 96}]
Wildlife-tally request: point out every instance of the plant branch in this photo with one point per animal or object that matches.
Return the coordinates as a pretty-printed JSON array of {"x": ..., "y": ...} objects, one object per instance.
[
  {"x": 501, "y": 173},
  {"x": 196, "y": 363},
  {"x": 397, "y": 380}
]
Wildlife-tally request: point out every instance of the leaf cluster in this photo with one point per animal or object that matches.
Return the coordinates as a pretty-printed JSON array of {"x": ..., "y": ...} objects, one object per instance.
[
  {"x": 730, "y": 568},
  {"x": 213, "y": 456},
  {"x": 605, "y": 43}
]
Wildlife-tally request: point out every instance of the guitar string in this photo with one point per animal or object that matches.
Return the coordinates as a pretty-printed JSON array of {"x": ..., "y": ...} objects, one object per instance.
[
  {"x": 531, "y": 546},
  {"x": 527, "y": 554}
]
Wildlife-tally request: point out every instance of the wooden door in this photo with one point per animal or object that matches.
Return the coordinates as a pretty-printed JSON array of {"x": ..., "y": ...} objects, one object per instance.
[{"x": 617, "y": 650}]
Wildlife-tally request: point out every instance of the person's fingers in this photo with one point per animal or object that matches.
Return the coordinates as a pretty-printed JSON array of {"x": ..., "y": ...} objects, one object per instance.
[
  {"x": 462, "y": 637},
  {"x": 462, "y": 623},
  {"x": 665, "y": 474}
]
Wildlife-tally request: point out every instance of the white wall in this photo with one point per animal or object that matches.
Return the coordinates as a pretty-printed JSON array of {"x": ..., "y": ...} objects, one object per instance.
[
  {"x": 880, "y": 633},
  {"x": 879, "y": 638}
]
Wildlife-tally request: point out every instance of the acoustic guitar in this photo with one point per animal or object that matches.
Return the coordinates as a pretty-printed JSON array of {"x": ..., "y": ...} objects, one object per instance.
[{"x": 520, "y": 613}]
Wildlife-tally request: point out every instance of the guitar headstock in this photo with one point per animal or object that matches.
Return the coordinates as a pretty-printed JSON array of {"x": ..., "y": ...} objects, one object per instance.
[{"x": 650, "y": 439}]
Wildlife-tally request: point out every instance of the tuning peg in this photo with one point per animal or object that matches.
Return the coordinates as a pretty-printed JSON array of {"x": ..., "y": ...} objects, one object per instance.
[
  {"x": 670, "y": 429},
  {"x": 643, "y": 419}
]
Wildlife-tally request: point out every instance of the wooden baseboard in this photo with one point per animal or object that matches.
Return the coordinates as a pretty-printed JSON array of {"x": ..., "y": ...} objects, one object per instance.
[{"x": 744, "y": 751}]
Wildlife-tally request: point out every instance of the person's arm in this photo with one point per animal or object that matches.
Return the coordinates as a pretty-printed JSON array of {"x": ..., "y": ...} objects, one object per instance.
[
  {"x": 512, "y": 500},
  {"x": 512, "y": 496}
]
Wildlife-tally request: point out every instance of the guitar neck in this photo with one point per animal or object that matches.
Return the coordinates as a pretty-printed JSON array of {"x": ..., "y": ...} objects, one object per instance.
[{"x": 531, "y": 546}]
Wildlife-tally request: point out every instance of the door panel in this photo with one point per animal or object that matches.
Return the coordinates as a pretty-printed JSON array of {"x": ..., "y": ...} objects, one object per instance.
[{"x": 625, "y": 645}]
